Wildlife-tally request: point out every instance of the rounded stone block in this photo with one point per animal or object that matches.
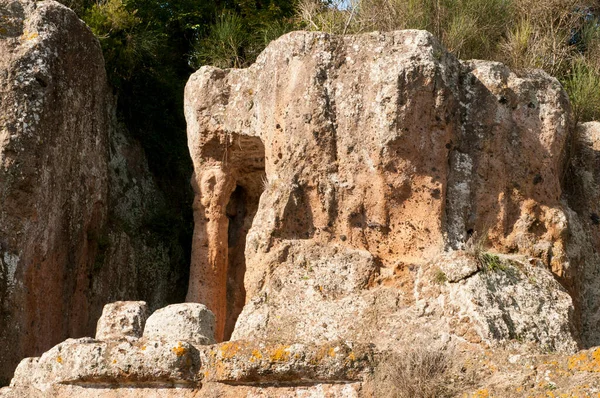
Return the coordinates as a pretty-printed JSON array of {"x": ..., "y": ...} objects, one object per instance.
[
  {"x": 122, "y": 320},
  {"x": 191, "y": 322}
]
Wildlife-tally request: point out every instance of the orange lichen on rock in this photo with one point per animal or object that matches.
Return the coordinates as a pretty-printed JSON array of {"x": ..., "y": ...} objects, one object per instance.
[
  {"x": 280, "y": 354},
  {"x": 179, "y": 350},
  {"x": 585, "y": 361},
  {"x": 482, "y": 393},
  {"x": 228, "y": 350},
  {"x": 256, "y": 356},
  {"x": 59, "y": 359}
]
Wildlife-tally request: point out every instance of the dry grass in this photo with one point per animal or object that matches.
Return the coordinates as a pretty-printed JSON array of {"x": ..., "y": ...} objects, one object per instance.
[
  {"x": 560, "y": 36},
  {"x": 415, "y": 373}
]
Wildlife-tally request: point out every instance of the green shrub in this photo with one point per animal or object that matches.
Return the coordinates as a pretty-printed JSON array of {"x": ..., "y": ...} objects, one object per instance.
[
  {"x": 583, "y": 87},
  {"x": 224, "y": 46},
  {"x": 126, "y": 40}
]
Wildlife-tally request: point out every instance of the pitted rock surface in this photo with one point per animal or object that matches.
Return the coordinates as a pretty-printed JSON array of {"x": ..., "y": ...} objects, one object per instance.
[
  {"x": 171, "y": 367},
  {"x": 339, "y": 181},
  {"x": 335, "y": 170},
  {"x": 81, "y": 361},
  {"x": 188, "y": 321},
  {"x": 54, "y": 118},
  {"x": 122, "y": 320},
  {"x": 75, "y": 189}
]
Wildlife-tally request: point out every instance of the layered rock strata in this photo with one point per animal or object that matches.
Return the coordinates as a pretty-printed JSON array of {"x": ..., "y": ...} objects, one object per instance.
[{"x": 175, "y": 363}]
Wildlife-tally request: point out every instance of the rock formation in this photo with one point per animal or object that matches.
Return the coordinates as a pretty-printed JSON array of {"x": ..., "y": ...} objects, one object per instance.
[
  {"x": 372, "y": 155},
  {"x": 366, "y": 207},
  {"x": 74, "y": 189},
  {"x": 53, "y": 175},
  {"x": 118, "y": 364}
]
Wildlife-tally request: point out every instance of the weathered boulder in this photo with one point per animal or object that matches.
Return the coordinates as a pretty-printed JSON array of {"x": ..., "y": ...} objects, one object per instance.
[
  {"x": 77, "y": 199},
  {"x": 507, "y": 299},
  {"x": 81, "y": 361},
  {"x": 333, "y": 172},
  {"x": 160, "y": 368},
  {"x": 189, "y": 321},
  {"x": 122, "y": 320}
]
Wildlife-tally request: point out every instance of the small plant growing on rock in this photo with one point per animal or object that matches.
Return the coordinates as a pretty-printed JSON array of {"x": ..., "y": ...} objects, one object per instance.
[
  {"x": 490, "y": 262},
  {"x": 475, "y": 246},
  {"x": 440, "y": 277}
]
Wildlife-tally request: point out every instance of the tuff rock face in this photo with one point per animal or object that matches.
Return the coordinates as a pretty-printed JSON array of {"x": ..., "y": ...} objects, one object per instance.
[
  {"x": 178, "y": 365},
  {"x": 175, "y": 366},
  {"x": 362, "y": 203},
  {"x": 54, "y": 115},
  {"x": 344, "y": 167},
  {"x": 73, "y": 188}
]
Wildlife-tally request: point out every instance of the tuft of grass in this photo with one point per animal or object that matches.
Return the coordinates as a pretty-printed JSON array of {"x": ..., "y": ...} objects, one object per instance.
[
  {"x": 476, "y": 247},
  {"x": 476, "y": 243},
  {"x": 583, "y": 87},
  {"x": 315, "y": 15},
  {"x": 415, "y": 373},
  {"x": 517, "y": 44},
  {"x": 491, "y": 262}
]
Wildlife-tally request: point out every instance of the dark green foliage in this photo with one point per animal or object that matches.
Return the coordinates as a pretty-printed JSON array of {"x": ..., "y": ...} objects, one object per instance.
[
  {"x": 224, "y": 47},
  {"x": 150, "y": 49},
  {"x": 241, "y": 31}
]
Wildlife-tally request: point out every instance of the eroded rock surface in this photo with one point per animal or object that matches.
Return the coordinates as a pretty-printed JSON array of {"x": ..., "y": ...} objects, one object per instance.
[
  {"x": 122, "y": 320},
  {"x": 375, "y": 154},
  {"x": 189, "y": 321},
  {"x": 54, "y": 119},
  {"x": 76, "y": 195},
  {"x": 177, "y": 367},
  {"x": 361, "y": 198},
  {"x": 175, "y": 362}
]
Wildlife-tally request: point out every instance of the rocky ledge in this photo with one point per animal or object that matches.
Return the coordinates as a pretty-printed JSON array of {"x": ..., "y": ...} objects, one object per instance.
[
  {"x": 169, "y": 354},
  {"x": 166, "y": 357}
]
